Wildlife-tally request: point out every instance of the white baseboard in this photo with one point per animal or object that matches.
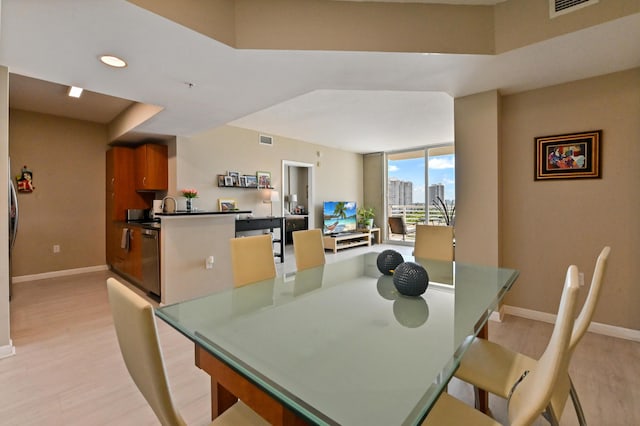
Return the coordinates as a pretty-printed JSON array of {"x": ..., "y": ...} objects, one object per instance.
[
  {"x": 498, "y": 315},
  {"x": 595, "y": 327},
  {"x": 62, "y": 273},
  {"x": 7, "y": 350}
]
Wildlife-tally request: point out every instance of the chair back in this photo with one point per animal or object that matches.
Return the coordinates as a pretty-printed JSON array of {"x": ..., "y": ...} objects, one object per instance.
[
  {"x": 532, "y": 395},
  {"x": 138, "y": 340},
  {"x": 252, "y": 259},
  {"x": 397, "y": 225},
  {"x": 434, "y": 242},
  {"x": 308, "y": 248},
  {"x": 586, "y": 314}
]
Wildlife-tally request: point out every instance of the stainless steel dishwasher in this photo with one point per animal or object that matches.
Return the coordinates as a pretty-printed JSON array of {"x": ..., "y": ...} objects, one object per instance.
[{"x": 151, "y": 261}]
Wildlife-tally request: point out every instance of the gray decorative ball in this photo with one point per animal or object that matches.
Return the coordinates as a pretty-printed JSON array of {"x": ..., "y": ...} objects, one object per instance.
[
  {"x": 411, "y": 312},
  {"x": 388, "y": 260},
  {"x": 411, "y": 279}
]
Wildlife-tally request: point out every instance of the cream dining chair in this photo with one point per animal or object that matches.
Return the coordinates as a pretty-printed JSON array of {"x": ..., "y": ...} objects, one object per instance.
[
  {"x": 308, "y": 248},
  {"x": 530, "y": 394},
  {"x": 138, "y": 340},
  {"x": 252, "y": 259},
  {"x": 492, "y": 367},
  {"x": 434, "y": 242}
]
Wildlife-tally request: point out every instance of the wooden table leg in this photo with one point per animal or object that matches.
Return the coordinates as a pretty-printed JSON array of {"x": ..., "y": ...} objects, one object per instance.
[
  {"x": 227, "y": 386},
  {"x": 482, "y": 395},
  {"x": 221, "y": 399}
]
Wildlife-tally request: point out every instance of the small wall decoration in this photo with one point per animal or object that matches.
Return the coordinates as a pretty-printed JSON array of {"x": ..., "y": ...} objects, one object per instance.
[
  {"x": 25, "y": 180},
  {"x": 235, "y": 178},
  {"x": 226, "y": 205},
  {"x": 569, "y": 156},
  {"x": 264, "y": 179},
  {"x": 251, "y": 181}
]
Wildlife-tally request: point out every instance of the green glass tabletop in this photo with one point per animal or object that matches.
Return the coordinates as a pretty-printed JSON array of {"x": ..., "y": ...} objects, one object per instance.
[{"x": 338, "y": 345}]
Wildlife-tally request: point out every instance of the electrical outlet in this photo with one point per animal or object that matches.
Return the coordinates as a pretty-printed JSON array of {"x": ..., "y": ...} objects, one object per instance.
[
  {"x": 208, "y": 262},
  {"x": 56, "y": 248}
]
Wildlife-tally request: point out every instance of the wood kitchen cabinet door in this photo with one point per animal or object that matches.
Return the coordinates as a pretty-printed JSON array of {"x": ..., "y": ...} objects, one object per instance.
[
  {"x": 133, "y": 257},
  {"x": 152, "y": 172}
]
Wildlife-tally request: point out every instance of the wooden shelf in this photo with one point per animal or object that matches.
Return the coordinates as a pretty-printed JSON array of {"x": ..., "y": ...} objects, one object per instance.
[{"x": 340, "y": 242}]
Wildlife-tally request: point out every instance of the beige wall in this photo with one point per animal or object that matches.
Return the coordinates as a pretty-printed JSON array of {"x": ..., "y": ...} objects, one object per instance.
[
  {"x": 519, "y": 23},
  {"x": 548, "y": 225},
  {"x": 374, "y": 188},
  {"x": 200, "y": 158},
  {"x": 67, "y": 158},
  {"x": 5, "y": 341},
  {"x": 477, "y": 138}
]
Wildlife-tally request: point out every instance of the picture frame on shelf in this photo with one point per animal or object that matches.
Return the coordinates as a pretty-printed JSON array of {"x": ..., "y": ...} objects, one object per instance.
[
  {"x": 251, "y": 181},
  {"x": 568, "y": 156},
  {"x": 235, "y": 178},
  {"x": 264, "y": 179},
  {"x": 242, "y": 180},
  {"x": 228, "y": 180},
  {"x": 227, "y": 205},
  {"x": 221, "y": 180}
]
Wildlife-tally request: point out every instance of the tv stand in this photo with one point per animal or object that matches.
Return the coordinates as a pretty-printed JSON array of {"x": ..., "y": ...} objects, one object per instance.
[{"x": 339, "y": 242}]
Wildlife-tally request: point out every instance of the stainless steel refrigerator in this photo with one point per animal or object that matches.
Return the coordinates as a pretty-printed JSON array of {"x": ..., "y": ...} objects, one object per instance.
[{"x": 13, "y": 225}]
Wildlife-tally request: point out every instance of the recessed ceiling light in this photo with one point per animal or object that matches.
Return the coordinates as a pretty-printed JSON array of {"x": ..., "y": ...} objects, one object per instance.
[
  {"x": 113, "y": 61},
  {"x": 75, "y": 92}
]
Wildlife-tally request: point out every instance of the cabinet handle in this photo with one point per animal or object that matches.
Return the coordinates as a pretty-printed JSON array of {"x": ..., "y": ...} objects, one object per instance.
[
  {"x": 144, "y": 180},
  {"x": 113, "y": 180}
]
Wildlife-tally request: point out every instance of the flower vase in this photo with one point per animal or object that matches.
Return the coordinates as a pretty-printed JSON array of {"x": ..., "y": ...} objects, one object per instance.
[{"x": 189, "y": 204}]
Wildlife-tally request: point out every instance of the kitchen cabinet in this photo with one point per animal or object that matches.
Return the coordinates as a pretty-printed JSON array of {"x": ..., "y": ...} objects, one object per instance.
[
  {"x": 151, "y": 168},
  {"x": 132, "y": 265},
  {"x": 121, "y": 195},
  {"x": 128, "y": 260}
]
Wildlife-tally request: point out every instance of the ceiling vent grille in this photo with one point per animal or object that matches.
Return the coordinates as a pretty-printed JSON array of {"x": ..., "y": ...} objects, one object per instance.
[
  {"x": 266, "y": 140},
  {"x": 560, "y": 7}
]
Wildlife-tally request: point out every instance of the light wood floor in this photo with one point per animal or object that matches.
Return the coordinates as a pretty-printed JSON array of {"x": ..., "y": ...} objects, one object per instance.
[{"x": 68, "y": 370}]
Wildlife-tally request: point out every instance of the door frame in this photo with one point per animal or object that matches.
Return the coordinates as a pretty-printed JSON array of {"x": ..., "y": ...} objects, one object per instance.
[{"x": 311, "y": 181}]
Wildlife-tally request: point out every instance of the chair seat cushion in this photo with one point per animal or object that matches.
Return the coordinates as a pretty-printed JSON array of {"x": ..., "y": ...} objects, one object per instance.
[
  {"x": 448, "y": 411},
  {"x": 494, "y": 368}
]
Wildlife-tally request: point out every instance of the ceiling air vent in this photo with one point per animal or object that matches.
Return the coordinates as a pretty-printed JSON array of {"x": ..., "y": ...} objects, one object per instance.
[
  {"x": 560, "y": 7},
  {"x": 266, "y": 140}
]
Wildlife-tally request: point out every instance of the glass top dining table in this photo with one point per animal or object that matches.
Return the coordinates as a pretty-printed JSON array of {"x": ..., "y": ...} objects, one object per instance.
[{"x": 338, "y": 344}]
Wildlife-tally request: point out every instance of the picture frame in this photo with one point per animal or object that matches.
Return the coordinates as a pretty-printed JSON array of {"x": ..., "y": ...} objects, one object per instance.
[
  {"x": 221, "y": 180},
  {"x": 235, "y": 178},
  {"x": 227, "y": 205},
  {"x": 264, "y": 179},
  {"x": 251, "y": 181},
  {"x": 228, "y": 180},
  {"x": 568, "y": 156},
  {"x": 242, "y": 181}
]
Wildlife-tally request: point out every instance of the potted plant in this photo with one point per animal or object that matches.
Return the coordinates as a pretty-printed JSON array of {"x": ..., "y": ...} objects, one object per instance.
[{"x": 365, "y": 217}]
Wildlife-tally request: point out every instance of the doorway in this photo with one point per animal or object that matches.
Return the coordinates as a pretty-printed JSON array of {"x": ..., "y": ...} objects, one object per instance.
[{"x": 297, "y": 190}]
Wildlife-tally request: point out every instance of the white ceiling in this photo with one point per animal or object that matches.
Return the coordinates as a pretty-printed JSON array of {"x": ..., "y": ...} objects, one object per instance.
[{"x": 358, "y": 101}]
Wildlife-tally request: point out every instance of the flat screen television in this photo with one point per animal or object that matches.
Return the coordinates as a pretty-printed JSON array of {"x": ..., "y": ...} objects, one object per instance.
[{"x": 339, "y": 217}]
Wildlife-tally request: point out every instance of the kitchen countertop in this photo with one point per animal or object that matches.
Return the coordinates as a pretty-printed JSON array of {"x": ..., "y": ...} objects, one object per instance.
[{"x": 201, "y": 212}]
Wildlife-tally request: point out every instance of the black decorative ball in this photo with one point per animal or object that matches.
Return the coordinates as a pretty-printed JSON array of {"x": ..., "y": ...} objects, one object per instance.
[
  {"x": 411, "y": 279},
  {"x": 389, "y": 260}
]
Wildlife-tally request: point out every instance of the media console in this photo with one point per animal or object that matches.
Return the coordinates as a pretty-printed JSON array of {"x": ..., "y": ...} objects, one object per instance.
[{"x": 342, "y": 241}]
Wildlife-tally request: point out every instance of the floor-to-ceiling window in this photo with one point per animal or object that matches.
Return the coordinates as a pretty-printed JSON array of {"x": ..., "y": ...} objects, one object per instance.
[{"x": 420, "y": 189}]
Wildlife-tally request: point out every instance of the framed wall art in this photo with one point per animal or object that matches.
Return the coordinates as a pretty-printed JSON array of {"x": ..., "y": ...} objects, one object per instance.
[
  {"x": 226, "y": 205},
  {"x": 264, "y": 179},
  {"x": 569, "y": 156},
  {"x": 251, "y": 180}
]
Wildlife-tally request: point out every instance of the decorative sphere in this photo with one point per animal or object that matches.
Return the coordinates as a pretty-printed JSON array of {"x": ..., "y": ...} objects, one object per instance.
[
  {"x": 411, "y": 279},
  {"x": 389, "y": 260},
  {"x": 411, "y": 312},
  {"x": 386, "y": 289}
]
